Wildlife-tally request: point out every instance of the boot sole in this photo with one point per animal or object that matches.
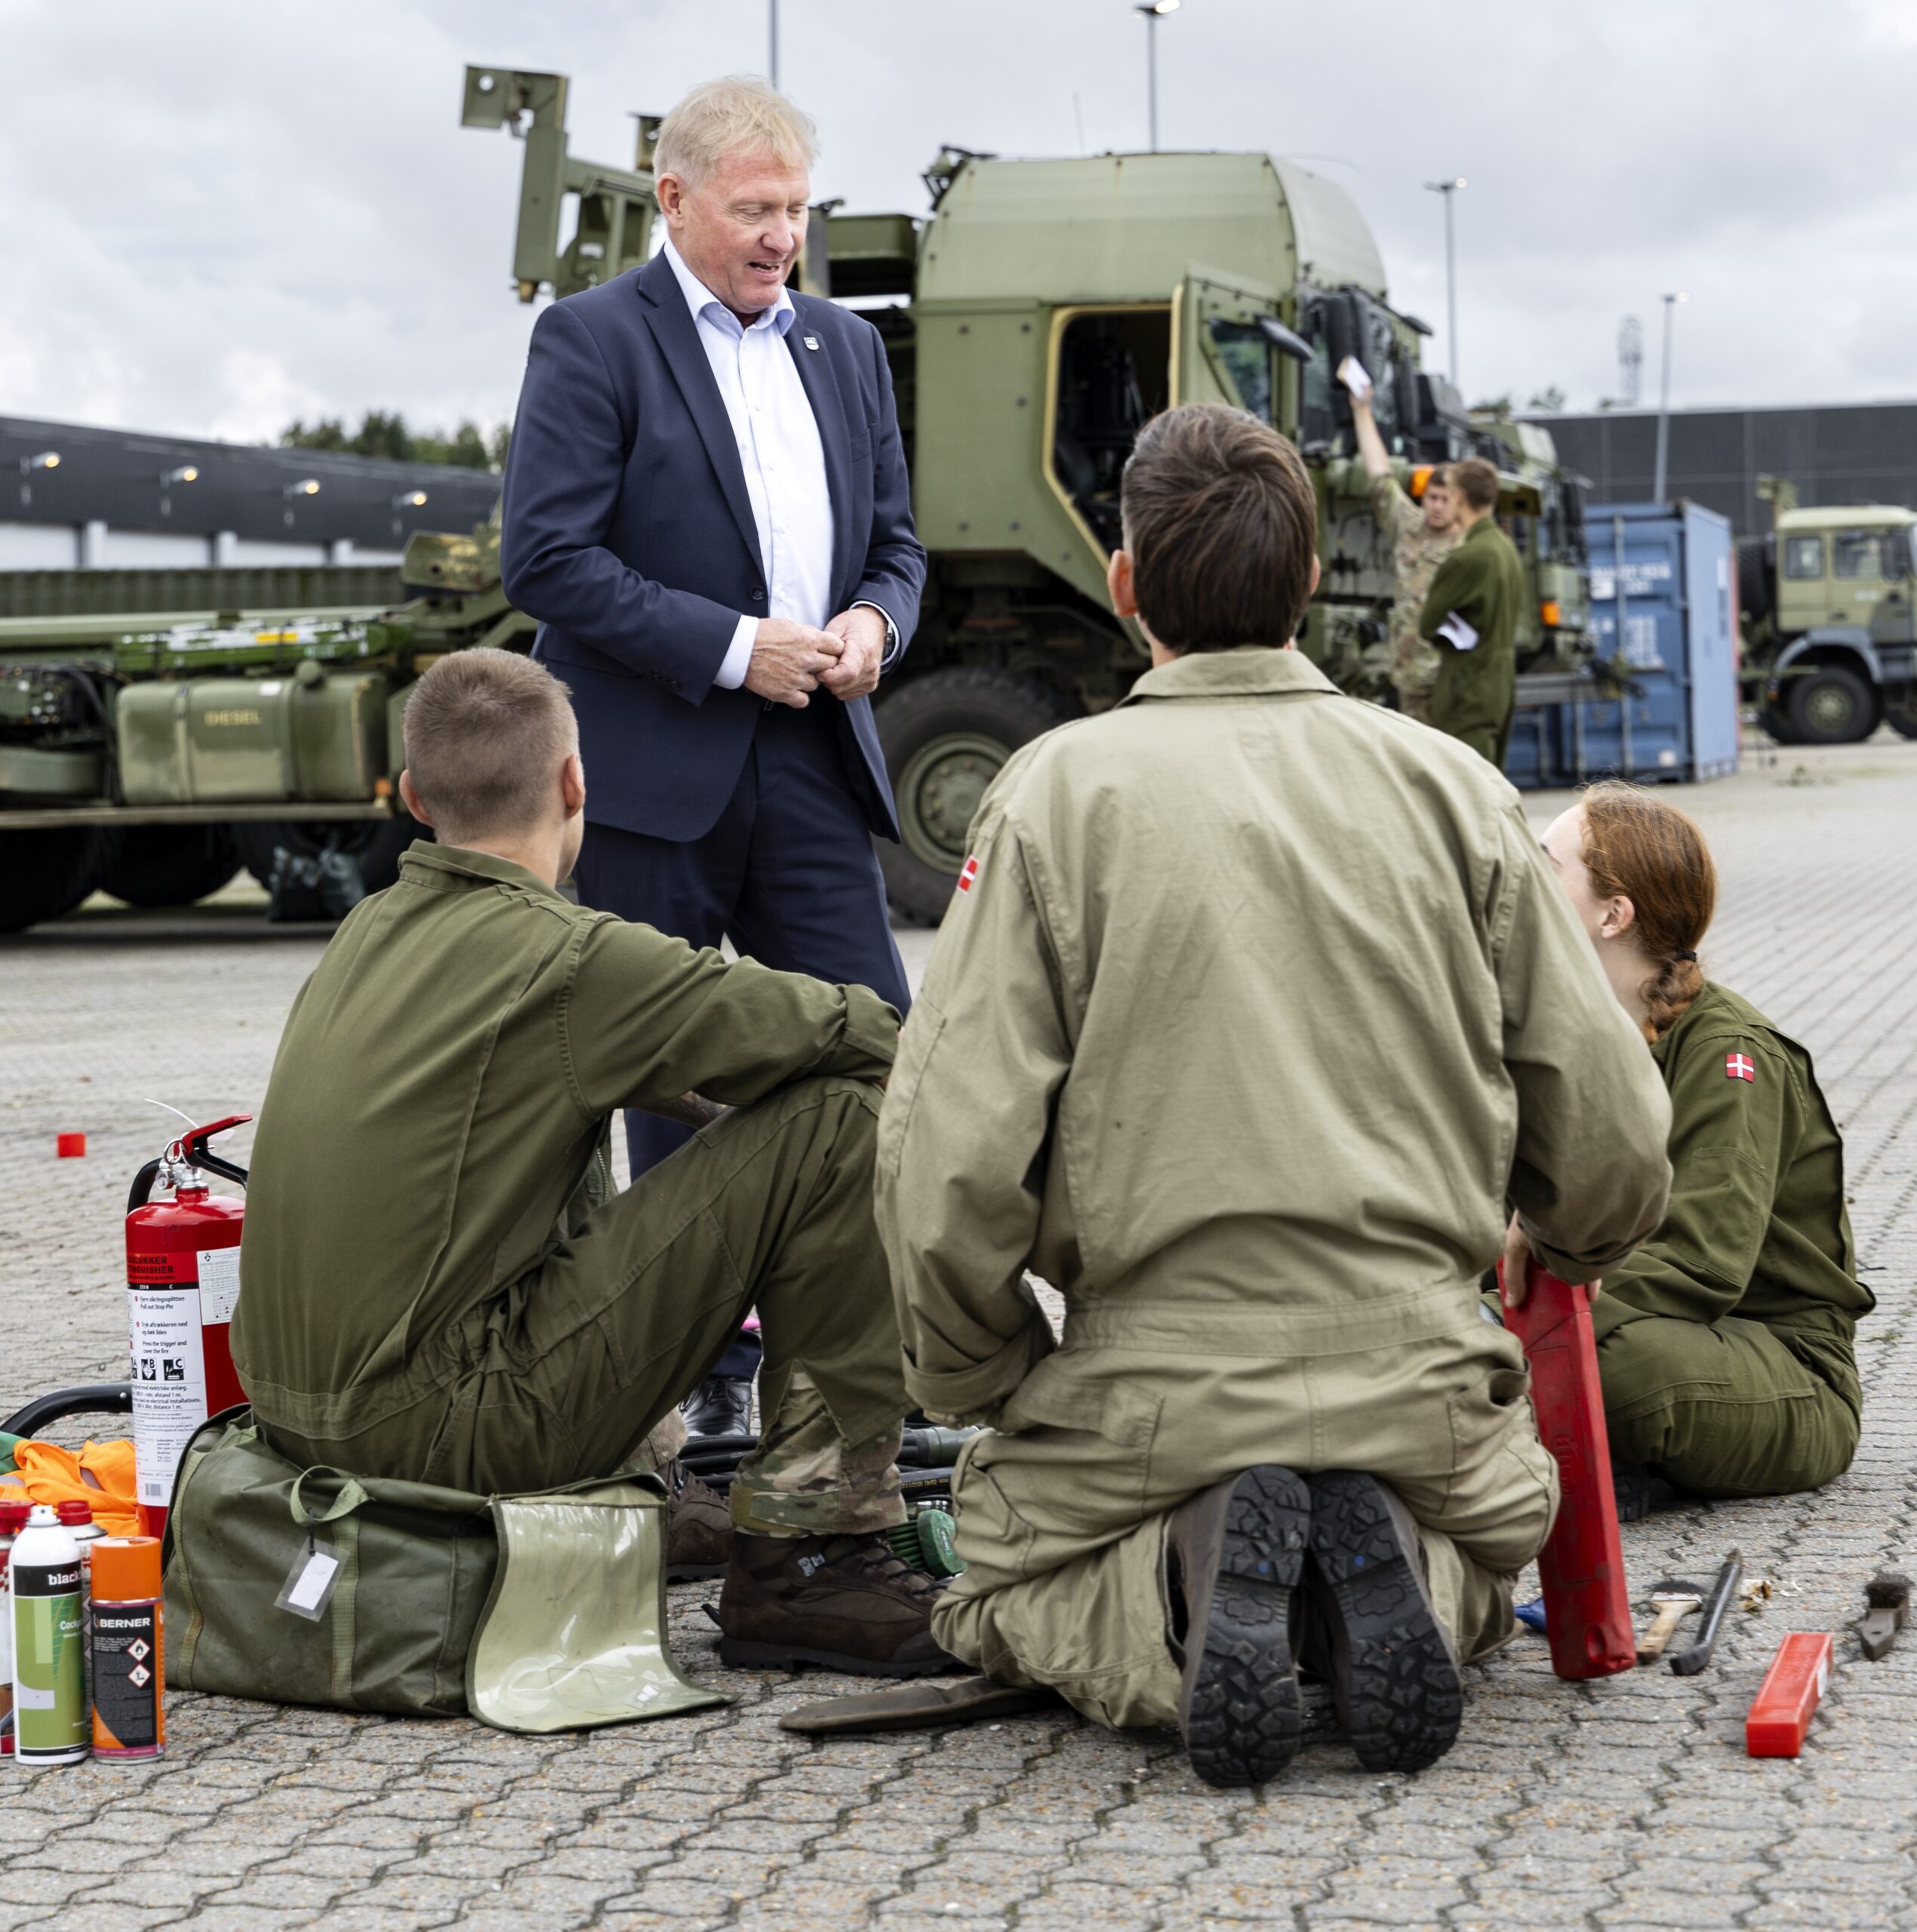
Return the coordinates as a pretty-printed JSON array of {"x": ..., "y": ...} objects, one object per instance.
[
  {"x": 745, "y": 1656},
  {"x": 1243, "y": 1720},
  {"x": 1404, "y": 1700}
]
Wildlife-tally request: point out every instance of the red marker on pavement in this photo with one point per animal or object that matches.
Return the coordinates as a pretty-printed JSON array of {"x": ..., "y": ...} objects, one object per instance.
[
  {"x": 69, "y": 1146},
  {"x": 1781, "y": 1712}
]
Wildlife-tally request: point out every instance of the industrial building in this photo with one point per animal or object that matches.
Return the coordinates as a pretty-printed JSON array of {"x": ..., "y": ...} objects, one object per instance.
[
  {"x": 1842, "y": 453},
  {"x": 73, "y": 497}
]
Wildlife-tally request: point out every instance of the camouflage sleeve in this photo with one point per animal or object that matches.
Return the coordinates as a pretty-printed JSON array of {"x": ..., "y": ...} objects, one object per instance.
[{"x": 1391, "y": 506}]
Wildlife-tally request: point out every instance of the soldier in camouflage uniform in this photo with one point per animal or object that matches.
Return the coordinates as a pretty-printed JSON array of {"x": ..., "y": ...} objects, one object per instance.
[{"x": 1423, "y": 534}]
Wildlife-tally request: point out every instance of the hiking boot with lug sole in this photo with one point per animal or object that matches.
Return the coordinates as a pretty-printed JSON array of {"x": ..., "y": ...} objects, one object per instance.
[
  {"x": 1395, "y": 1676},
  {"x": 847, "y": 1603},
  {"x": 698, "y": 1526},
  {"x": 1239, "y": 1548}
]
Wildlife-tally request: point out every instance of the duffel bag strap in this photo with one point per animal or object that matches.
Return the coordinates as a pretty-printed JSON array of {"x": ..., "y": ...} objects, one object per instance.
[{"x": 341, "y": 1609}]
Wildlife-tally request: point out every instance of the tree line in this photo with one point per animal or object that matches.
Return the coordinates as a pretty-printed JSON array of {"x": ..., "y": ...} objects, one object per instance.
[{"x": 382, "y": 433}]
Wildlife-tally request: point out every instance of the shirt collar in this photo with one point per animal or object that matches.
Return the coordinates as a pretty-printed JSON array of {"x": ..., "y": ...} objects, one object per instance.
[
  {"x": 1247, "y": 670},
  {"x": 705, "y": 306},
  {"x": 457, "y": 865}
]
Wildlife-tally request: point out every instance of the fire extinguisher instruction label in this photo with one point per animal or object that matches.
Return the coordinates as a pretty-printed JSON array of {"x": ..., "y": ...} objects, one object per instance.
[
  {"x": 219, "y": 1284},
  {"x": 169, "y": 1382}
]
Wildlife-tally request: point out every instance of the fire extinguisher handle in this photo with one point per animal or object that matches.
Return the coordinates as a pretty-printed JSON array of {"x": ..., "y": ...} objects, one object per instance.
[{"x": 194, "y": 1146}]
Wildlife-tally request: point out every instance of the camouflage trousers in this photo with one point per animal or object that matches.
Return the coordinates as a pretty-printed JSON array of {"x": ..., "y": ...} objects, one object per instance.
[
  {"x": 1413, "y": 667},
  {"x": 578, "y": 1370}
]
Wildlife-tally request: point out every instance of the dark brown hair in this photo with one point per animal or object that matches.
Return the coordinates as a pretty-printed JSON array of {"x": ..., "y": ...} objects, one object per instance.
[
  {"x": 1637, "y": 848},
  {"x": 486, "y": 732},
  {"x": 1222, "y": 525},
  {"x": 1475, "y": 481}
]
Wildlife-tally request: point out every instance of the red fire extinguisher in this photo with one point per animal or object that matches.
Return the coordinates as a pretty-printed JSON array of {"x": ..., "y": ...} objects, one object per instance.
[{"x": 182, "y": 1279}]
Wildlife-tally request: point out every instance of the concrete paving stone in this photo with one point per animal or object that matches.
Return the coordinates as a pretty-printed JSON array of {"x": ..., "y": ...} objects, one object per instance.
[
  {"x": 1688, "y": 1909},
  {"x": 1490, "y": 1905},
  {"x": 214, "y": 1916}
]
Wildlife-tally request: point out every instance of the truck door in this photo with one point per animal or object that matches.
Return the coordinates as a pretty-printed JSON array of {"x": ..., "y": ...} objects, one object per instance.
[{"x": 1228, "y": 345}]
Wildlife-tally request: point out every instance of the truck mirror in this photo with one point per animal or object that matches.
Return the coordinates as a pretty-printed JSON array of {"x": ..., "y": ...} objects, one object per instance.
[{"x": 1282, "y": 339}]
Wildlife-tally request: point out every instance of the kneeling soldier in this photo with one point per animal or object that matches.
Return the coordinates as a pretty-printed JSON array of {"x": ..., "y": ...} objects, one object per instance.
[
  {"x": 1254, "y": 1005},
  {"x": 437, "y": 1287}
]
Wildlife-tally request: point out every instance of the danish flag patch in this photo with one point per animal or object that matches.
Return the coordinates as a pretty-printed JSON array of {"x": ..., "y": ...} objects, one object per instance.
[
  {"x": 1739, "y": 1066},
  {"x": 967, "y": 873}
]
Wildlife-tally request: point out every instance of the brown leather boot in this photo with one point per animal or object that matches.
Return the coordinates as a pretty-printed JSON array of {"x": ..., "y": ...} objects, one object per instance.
[
  {"x": 848, "y": 1602},
  {"x": 698, "y": 1526}
]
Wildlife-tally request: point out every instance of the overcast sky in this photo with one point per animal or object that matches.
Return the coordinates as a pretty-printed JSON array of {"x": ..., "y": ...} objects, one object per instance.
[{"x": 220, "y": 214}]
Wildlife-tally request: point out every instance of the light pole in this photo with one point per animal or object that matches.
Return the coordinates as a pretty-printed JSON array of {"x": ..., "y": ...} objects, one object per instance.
[
  {"x": 1151, "y": 10},
  {"x": 772, "y": 37},
  {"x": 1448, "y": 190},
  {"x": 1664, "y": 399}
]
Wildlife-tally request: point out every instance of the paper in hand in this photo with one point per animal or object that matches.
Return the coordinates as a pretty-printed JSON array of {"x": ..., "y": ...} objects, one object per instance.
[
  {"x": 1351, "y": 372},
  {"x": 1457, "y": 633}
]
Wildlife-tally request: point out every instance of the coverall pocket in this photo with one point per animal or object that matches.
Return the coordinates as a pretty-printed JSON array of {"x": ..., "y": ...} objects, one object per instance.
[{"x": 921, "y": 1035}]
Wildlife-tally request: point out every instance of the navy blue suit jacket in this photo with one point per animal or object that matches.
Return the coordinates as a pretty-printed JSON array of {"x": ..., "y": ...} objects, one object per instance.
[{"x": 628, "y": 534}]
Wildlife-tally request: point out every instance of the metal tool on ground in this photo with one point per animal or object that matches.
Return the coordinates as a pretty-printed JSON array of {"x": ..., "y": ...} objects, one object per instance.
[
  {"x": 1672, "y": 1601},
  {"x": 1582, "y": 1564},
  {"x": 918, "y": 1707},
  {"x": 1688, "y": 1662},
  {"x": 1887, "y": 1603},
  {"x": 1781, "y": 1714}
]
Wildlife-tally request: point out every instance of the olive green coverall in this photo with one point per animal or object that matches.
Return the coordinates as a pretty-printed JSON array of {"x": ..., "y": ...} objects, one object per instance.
[
  {"x": 1256, "y": 1004},
  {"x": 1724, "y": 1342},
  {"x": 1482, "y": 582},
  {"x": 433, "y": 1284}
]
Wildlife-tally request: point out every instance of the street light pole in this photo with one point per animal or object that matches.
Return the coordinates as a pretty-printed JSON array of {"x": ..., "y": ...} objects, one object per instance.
[
  {"x": 772, "y": 37},
  {"x": 1448, "y": 188},
  {"x": 1664, "y": 400},
  {"x": 1151, "y": 11}
]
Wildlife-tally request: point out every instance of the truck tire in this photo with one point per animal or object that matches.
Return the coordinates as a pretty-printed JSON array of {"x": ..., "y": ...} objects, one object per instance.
[
  {"x": 944, "y": 736},
  {"x": 1830, "y": 706},
  {"x": 44, "y": 874},
  {"x": 1756, "y": 560},
  {"x": 378, "y": 844},
  {"x": 1902, "y": 718},
  {"x": 170, "y": 865}
]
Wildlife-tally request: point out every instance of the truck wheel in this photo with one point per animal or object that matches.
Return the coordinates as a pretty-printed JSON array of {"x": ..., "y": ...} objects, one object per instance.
[
  {"x": 170, "y": 865},
  {"x": 1830, "y": 706},
  {"x": 1902, "y": 718},
  {"x": 1776, "y": 720},
  {"x": 44, "y": 874},
  {"x": 378, "y": 844},
  {"x": 946, "y": 736}
]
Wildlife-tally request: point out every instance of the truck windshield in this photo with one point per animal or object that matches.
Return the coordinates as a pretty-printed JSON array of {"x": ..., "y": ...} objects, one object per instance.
[
  {"x": 1804, "y": 557},
  {"x": 1247, "y": 356},
  {"x": 1866, "y": 553}
]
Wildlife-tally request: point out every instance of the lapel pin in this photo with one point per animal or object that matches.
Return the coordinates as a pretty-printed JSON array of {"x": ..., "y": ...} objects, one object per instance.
[{"x": 810, "y": 341}]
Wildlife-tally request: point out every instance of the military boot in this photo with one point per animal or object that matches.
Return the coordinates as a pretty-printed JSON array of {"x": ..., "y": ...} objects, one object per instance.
[
  {"x": 1234, "y": 1556},
  {"x": 1394, "y": 1673},
  {"x": 698, "y": 1526},
  {"x": 848, "y": 1602}
]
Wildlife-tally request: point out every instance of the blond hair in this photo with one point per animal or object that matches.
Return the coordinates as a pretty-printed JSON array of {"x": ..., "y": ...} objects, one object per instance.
[
  {"x": 739, "y": 113},
  {"x": 486, "y": 732}
]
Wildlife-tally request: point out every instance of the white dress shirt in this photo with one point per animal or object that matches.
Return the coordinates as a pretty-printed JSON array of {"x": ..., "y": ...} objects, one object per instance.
[{"x": 780, "y": 452}]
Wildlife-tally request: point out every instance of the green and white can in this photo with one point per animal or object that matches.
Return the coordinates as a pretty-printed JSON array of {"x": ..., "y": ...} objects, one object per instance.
[{"x": 47, "y": 1602}]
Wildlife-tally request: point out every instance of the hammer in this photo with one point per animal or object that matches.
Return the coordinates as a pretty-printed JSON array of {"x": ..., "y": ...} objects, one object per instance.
[{"x": 1673, "y": 1599}]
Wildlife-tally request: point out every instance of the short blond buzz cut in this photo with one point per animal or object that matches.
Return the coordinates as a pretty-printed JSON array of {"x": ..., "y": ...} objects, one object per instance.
[
  {"x": 739, "y": 114},
  {"x": 486, "y": 732}
]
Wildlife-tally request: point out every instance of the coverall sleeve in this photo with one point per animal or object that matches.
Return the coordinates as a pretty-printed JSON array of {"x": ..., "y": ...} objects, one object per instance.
[
  {"x": 1463, "y": 584},
  {"x": 647, "y": 1019},
  {"x": 963, "y": 1135},
  {"x": 1589, "y": 1175},
  {"x": 1728, "y": 1136}
]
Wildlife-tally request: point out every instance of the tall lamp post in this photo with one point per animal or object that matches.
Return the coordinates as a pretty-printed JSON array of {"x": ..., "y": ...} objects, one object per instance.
[
  {"x": 1151, "y": 10},
  {"x": 772, "y": 39},
  {"x": 1664, "y": 400},
  {"x": 1448, "y": 190}
]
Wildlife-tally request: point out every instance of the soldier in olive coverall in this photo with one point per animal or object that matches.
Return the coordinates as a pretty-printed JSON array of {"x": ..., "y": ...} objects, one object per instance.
[
  {"x": 1725, "y": 1343},
  {"x": 436, "y": 1286},
  {"x": 1254, "y": 1004},
  {"x": 1471, "y": 615}
]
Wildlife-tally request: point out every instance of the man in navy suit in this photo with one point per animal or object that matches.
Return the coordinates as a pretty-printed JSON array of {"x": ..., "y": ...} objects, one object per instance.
[{"x": 707, "y": 508}]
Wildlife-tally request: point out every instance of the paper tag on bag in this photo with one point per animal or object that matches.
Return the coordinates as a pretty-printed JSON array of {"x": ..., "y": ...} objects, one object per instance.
[
  {"x": 1351, "y": 372},
  {"x": 308, "y": 1586}
]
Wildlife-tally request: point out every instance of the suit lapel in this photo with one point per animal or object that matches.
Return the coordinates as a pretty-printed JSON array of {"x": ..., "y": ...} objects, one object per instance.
[
  {"x": 677, "y": 337},
  {"x": 822, "y": 392}
]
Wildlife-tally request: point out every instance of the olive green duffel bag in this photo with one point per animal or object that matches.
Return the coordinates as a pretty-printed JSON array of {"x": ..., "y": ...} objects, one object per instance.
[{"x": 536, "y": 1613}]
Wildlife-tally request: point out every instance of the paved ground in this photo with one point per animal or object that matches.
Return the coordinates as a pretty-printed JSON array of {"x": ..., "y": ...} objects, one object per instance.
[{"x": 1624, "y": 1803}]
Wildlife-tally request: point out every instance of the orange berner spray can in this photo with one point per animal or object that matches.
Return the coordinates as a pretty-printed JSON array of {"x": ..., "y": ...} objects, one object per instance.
[{"x": 129, "y": 1665}]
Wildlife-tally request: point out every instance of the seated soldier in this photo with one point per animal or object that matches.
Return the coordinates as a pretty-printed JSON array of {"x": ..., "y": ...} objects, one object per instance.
[
  {"x": 1724, "y": 1342},
  {"x": 436, "y": 1286},
  {"x": 1254, "y": 1005}
]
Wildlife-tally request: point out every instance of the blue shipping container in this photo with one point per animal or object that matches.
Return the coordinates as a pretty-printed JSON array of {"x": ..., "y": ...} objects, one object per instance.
[{"x": 1666, "y": 571}]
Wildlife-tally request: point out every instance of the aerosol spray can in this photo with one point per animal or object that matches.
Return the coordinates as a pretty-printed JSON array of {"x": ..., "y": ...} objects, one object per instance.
[
  {"x": 13, "y": 1520},
  {"x": 76, "y": 1519},
  {"x": 129, "y": 1649},
  {"x": 46, "y": 1595}
]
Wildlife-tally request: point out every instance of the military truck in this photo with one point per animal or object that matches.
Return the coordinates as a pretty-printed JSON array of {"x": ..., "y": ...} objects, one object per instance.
[
  {"x": 1828, "y": 605},
  {"x": 1035, "y": 321},
  {"x": 153, "y": 755}
]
